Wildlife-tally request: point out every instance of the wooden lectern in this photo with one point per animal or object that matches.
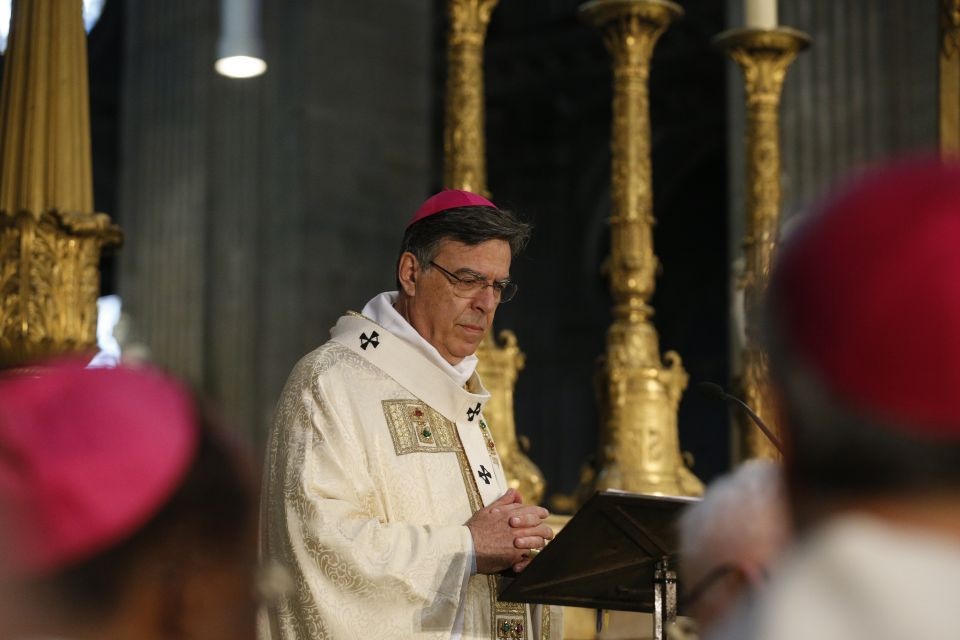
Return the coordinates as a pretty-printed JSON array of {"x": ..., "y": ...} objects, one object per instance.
[{"x": 618, "y": 552}]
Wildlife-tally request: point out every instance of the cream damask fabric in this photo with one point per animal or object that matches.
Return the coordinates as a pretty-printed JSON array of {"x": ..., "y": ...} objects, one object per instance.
[{"x": 373, "y": 466}]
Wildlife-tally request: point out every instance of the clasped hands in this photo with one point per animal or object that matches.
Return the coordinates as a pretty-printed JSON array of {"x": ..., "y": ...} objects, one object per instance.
[{"x": 505, "y": 531}]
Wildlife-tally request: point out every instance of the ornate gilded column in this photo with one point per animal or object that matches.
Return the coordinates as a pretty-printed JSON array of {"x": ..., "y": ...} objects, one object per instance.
[
  {"x": 464, "y": 145},
  {"x": 950, "y": 77},
  {"x": 764, "y": 56},
  {"x": 640, "y": 449},
  {"x": 465, "y": 168},
  {"x": 50, "y": 238}
]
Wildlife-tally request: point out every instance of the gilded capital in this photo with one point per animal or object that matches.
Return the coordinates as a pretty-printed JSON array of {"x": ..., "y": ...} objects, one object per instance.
[{"x": 469, "y": 20}]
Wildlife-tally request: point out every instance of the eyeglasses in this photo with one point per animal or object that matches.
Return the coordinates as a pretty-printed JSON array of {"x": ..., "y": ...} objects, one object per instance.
[
  {"x": 503, "y": 290},
  {"x": 713, "y": 577}
]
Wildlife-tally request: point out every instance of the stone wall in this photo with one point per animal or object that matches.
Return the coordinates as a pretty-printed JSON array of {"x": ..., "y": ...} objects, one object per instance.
[{"x": 256, "y": 211}]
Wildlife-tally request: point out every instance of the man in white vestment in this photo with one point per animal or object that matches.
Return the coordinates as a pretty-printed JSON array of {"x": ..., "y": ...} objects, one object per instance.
[
  {"x": 865, "y": 358},
  {"x": 384, "y": 497}
]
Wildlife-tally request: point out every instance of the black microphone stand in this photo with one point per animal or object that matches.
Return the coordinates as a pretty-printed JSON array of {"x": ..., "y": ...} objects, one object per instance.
[{"x": 716, "y": 391}]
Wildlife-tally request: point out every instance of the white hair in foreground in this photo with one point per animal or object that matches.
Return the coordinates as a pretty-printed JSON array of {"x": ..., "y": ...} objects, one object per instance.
[{"x": 741, "y": 521}]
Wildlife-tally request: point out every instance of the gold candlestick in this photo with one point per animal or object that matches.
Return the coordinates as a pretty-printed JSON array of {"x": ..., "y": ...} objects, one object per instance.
[
  {"x": 465, "y": 168},
  {"x": 950, "y": 77},
  {"x": 640, "y": 448},
  {"x": 50, "y": 238},
  {"x": 464, "y": 147},
  {"x": 764, "y": 55}
]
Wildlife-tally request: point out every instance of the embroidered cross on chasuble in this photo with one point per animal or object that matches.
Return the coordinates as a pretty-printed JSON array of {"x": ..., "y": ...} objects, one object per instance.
[{"x": 375, "y": 461}]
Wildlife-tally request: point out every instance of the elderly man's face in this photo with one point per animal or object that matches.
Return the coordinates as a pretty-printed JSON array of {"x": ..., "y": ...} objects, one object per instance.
[{"x": 454, "y": 325}]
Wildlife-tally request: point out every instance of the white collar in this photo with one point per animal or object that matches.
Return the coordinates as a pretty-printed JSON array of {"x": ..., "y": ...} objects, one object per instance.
[{"x": 380, "y": 310}]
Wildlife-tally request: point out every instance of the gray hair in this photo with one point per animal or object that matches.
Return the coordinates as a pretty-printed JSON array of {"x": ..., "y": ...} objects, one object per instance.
[
  {"x": 742, "y": 518},
  {"x": 471, "y": 225}
]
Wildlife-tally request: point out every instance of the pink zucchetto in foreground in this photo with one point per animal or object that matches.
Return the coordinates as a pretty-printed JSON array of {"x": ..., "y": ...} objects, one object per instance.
[
  {"x": 867, "y": 295},
  {"x": 87, "y": 457}
]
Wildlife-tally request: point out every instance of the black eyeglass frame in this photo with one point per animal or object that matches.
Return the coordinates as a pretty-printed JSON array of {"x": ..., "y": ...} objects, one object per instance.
[
  {"x": 503, "y": 290},
  {"x": 710, "y": 579}
]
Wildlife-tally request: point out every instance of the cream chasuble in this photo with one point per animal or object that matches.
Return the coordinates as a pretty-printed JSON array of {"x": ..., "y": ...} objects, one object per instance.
[{"x": 376, "y": 460}]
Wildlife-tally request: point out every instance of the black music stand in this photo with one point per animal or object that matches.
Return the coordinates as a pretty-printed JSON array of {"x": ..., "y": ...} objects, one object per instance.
[{"x": 618, "y": 552}]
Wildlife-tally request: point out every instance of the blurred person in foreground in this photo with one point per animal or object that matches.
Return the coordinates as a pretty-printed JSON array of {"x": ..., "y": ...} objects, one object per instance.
[
  {"x": 864, "y": 309},
  {"x": 730, "y": 540},
  {"x": 124, "y": 514},
  {"x": 384, "y": 495}
]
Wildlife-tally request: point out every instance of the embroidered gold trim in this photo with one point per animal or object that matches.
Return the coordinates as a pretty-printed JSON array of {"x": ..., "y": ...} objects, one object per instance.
[
  {"x": 545, "y": 617},
  {"x": 511, "y": 613},
  {"x": 488, "y": 441},
  {"x": 473, "y": 494},
  {"x": 415, "y": 427}
]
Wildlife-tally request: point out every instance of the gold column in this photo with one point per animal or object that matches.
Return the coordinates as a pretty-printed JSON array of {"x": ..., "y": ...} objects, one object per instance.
[
  {"x": 950, "y": 77},
  {"x": 50, "y": 238},
  {"x": 764, "y": 56},
  {"x": 465, "y": 168},
  {"x": 464, "y": 147},
  {"x": 640, "y": 449}
]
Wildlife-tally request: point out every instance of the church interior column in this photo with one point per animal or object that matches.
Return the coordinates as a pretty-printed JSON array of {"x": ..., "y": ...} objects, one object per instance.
[{"x": 50, "y": 237}]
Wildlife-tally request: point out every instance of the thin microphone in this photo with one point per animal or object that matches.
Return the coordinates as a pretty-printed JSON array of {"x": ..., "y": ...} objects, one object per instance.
[{"x": 714, "y": 390}]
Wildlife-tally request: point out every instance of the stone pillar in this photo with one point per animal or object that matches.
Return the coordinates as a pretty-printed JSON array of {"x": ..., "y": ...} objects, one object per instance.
[
  {"x": 164, "y": 193},
  {"x": 262, "y": 209}
]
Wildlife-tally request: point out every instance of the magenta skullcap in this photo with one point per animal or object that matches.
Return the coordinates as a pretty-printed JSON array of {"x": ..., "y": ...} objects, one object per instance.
[
  {"x": 446, "y": 200},
  {"x": 868, "y": 295},
  {"x": 87, "y": 457}
]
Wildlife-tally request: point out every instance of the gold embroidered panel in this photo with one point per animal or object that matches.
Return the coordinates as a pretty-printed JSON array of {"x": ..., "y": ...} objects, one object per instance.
[
  {"x": 415, "y": 427},
  {"x": 509, "y": 618}
]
